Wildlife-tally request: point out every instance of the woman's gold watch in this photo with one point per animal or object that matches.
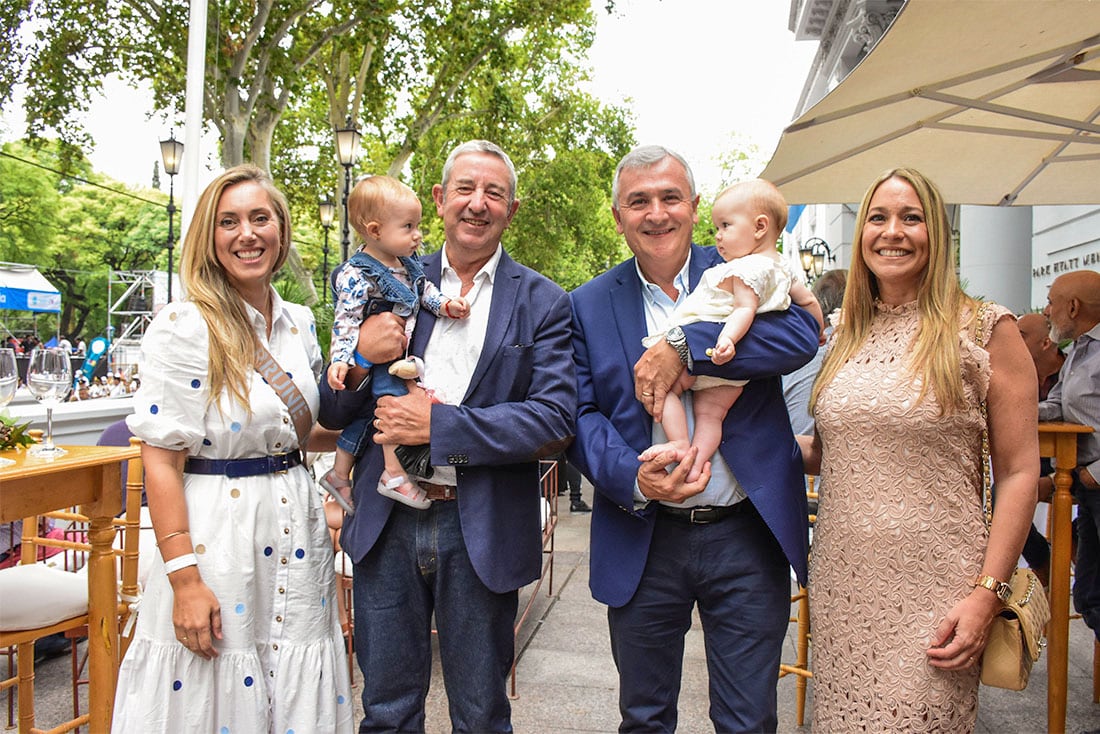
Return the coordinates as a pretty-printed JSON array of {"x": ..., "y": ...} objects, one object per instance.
[{"x": 1000, "y": 588}]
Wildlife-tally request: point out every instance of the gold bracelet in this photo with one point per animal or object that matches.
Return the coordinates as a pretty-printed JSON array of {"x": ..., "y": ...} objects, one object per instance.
[{"x": 172, "y": 535}]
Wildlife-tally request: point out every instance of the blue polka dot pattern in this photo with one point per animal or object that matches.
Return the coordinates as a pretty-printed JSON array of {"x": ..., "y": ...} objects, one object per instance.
[
  {"x": 154, "y": 408},
  {"x": 248, "y": 681},
  {"x": 340, "y": 700},
  {"x": 290, "y": 375},
  {"x": 196, "y": 384},
  {"x": 224, "y": 730},
  {"x": 313, "y": 328},
  {"x": 235, "y": 427},
  {"x": 324, "y": 601},
  {"x": 268, "y": 550},
  {"x": 300, "y": 553},
  {"x": 239, "y": 609},
  {"x": 176, "y": 685},
  {"x": 206, "y": 442}
]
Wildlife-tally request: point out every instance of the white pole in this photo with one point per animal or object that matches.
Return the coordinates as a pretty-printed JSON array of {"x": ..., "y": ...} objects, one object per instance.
[{"x": 192, "y": 155}]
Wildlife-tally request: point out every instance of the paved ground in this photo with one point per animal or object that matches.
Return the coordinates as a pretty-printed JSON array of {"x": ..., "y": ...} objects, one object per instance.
[{"x": 566, "y": 680}]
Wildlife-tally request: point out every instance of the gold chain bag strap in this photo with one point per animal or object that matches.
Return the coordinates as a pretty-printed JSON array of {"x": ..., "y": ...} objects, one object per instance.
[
  {"x": 287, "y": 391},
  {"x": 1016, "y": 635}
]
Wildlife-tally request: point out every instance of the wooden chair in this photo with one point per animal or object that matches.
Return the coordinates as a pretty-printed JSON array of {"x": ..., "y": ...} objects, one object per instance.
[
  {"x": 58, "y": 599},
  {"x": 801, "y": 665}
]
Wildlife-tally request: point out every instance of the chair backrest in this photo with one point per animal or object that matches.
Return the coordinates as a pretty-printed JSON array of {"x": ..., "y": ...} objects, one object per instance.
[{"x": 118, "y": 434}]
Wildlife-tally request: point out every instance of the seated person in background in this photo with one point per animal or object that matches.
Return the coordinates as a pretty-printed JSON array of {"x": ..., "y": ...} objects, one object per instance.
[
  {"x": 386, "y": 215},
  {"x": 1073, "y": 307},
  {"x": 748, "y": 219}
]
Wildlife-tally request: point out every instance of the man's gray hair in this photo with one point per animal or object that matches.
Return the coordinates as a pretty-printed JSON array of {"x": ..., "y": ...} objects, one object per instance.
[
  {"x": 481, "y": 146},
  {"x": 646, "y": 156}
]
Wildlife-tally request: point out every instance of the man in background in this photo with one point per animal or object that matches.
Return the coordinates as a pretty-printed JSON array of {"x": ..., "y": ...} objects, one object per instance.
[{"x": 1073, "y": 307}]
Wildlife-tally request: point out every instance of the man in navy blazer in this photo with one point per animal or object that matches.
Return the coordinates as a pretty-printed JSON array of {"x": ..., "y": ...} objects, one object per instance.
[
  {"x": 509, "y": 398},
  {"x": 661, "y": 545}
]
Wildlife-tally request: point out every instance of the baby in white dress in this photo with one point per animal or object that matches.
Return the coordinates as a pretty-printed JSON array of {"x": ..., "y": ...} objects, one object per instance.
[{"x": 748, "y": 218}]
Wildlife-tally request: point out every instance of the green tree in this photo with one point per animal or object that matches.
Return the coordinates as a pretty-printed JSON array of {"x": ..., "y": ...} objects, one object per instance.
[
  {"x": 28, "y": 196},
  {"x": 101, "y": 231}
]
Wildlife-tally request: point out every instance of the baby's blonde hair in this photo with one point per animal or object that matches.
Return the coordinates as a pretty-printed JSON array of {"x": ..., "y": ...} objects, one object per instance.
[
  {"x": 370, "y": 198},
  {"x": 763, "y": 197}
]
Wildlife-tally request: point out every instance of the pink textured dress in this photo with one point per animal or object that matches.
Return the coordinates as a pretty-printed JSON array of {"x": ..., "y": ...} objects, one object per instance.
[{"x": 900, "y": 535}]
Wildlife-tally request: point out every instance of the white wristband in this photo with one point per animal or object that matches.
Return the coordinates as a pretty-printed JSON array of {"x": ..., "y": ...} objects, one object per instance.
[{"x": 180, "y": 562}]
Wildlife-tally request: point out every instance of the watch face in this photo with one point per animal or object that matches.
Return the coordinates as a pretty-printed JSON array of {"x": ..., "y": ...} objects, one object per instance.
[{"x": 676, "y": 333}]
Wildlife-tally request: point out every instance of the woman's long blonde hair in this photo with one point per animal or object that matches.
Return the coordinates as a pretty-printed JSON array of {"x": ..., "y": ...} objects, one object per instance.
[
  {"x": 940, "y": 301},
  {"x": 232, "y": 339}
]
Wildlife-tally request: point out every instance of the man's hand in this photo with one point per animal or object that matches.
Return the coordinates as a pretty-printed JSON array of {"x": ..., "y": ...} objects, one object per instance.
[
  {"x": 657, "y": 484},
  {"x": 1087, "y": 479},
  {"x": 382, "y": 338},
  {"x": 656, "y": 372},
  {"x": 404, "y": 419}
]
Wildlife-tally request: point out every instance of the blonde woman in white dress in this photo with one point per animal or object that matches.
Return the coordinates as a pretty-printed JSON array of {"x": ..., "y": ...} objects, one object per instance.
[{"x": 238, "y": 628}]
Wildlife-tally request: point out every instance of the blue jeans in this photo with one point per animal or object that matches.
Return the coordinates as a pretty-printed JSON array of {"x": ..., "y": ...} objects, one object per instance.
[
  {"x": 736, "y": 572},
  {"x": 354, "y": 438},
  {"x": 418, "y": 566},
  {"x": 1086, "y": 575}
]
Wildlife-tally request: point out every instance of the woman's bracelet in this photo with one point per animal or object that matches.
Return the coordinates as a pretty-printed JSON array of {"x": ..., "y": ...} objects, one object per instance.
[
  {"x": 172, "y": 535},
  {"x": 180, "y": 562}
]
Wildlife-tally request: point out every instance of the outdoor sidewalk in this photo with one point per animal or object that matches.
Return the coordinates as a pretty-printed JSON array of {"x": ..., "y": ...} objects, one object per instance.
[{"x": 566, "y": 680}]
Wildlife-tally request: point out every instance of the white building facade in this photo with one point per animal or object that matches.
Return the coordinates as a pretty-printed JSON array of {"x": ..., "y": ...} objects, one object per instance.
[{"x": 1006, "y": 254}]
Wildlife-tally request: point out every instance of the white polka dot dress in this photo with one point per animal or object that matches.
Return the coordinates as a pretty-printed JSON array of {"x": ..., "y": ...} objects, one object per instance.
[{"x": 262, "y": 544}]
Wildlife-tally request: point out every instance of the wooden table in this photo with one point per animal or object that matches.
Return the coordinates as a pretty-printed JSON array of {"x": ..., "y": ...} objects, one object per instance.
[
  {"x": 89, "y": 476},
  {"x": 1059, "y": 441}
]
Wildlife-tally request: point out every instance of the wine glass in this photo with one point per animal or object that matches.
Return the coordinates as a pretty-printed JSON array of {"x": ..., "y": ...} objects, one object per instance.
[
  {"x": 49, "y": 378},
  {"x": 9, "y": 379}
]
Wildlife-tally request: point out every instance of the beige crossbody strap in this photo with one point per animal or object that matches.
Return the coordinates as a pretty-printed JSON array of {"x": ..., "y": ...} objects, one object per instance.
[{"x": 287, "y": 391}]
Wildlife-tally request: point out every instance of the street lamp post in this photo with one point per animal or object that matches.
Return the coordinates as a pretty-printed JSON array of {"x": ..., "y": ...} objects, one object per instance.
[
  {"x": 347, "y": 150},
  {"x": 813, "y": 254},
  {"x": 171, "y": 151},
  {"x": 327, "y": 209}
]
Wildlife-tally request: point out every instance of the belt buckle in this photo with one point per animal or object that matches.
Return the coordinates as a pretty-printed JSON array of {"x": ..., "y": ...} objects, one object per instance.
[
  {"x": 692, "y": 520},
  {"x": 281, "y": 463}
]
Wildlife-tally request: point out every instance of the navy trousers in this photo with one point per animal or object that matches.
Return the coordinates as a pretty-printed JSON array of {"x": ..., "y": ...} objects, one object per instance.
[{"x": 736, "y": 572}]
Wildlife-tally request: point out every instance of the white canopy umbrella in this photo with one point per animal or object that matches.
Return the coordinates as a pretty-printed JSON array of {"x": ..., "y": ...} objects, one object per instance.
[{"x": 997, "y": 102}]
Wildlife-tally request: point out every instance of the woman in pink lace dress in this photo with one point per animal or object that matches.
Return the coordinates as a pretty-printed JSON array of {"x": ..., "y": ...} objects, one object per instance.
[{"x": 900, "y": 547}]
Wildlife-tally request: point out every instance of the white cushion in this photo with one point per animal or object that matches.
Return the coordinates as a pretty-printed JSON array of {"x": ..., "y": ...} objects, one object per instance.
[{"x": 36, "y": 595}]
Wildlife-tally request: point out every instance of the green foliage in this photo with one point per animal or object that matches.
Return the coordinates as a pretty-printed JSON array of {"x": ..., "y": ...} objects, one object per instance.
[
  {"x": 75, "y": 232},
  {"x": 14, "y": 434}
]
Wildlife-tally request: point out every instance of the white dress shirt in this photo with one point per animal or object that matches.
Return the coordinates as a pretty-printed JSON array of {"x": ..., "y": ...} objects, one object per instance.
[{"x": 455, "y": 346}]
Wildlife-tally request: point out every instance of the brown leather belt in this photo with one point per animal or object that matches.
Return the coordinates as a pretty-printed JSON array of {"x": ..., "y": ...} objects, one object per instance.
[{"x": 438, "y": 492}]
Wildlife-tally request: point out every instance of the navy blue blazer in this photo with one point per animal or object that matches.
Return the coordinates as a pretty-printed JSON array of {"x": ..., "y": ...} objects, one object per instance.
[
  {"x": 520, "y": 407},
  {"x": 613, "y": 427}
]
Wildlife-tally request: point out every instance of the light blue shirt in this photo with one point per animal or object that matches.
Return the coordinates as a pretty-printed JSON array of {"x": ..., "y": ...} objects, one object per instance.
[
  {"x": 1076, "y": 397},
  {"x": 723, "y": 488}
]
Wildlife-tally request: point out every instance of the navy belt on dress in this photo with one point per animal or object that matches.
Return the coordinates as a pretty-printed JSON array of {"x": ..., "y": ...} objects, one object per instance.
[
  {"x": 233, "y": 468},
  {"x": 705, "y": 514}
]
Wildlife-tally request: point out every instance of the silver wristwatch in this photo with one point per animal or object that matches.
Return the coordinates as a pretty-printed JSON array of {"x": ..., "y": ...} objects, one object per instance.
[{"x": 678, "y": 341}]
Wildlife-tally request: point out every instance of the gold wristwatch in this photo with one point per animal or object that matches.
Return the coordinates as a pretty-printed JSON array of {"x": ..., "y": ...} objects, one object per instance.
[{"x": 1000, "y": 588}]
